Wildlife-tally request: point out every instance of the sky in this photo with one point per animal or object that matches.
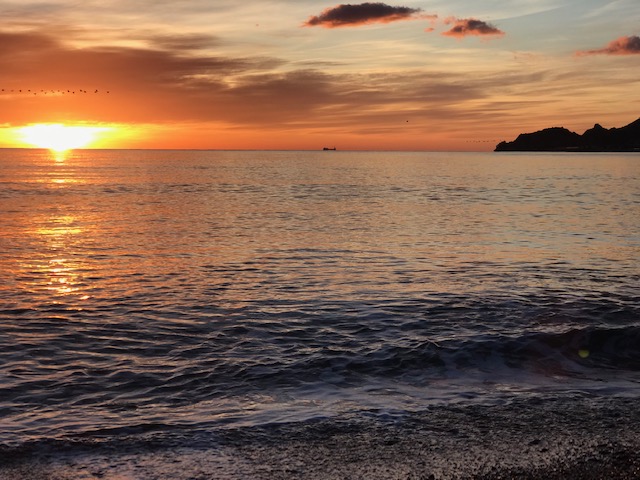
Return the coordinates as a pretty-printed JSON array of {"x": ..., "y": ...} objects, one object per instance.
[{"x": 306, "y": 74}]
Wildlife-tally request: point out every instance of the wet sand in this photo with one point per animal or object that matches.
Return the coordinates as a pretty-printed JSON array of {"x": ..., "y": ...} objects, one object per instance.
[{"x": 578, "y": 438}]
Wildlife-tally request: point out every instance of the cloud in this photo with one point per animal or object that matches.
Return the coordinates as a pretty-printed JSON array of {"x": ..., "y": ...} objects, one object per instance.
[
  {"x": 362, "y": 14},
  {"x": 622, "y": 46},
  {"x": 40, "y": 57},
  {"x": 185, "y": 42},
  {"x": 169, "y": 81},
  {"x": 463, "y": 27},
  {"x": 13, "y": 43}
]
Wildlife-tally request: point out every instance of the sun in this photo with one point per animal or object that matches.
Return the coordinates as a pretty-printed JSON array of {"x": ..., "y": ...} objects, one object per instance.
[{"x": 59, "y": 137}]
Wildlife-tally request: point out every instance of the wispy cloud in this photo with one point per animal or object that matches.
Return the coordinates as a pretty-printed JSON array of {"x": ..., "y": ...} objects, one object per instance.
[
  {"x": 169, "y": 78},
  {"x": 193, "y": 79},
  {"x": 463, "y": 27},
  {"x": 622, "y": 46},
  {"x": 345, "y": 15},
  {"x": 172, "y": 81},
  {"x": 185, "y": 42}
]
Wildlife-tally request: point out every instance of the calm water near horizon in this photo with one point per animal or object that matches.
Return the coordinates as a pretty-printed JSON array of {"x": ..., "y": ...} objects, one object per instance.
[{"x": 194, "y": 290}]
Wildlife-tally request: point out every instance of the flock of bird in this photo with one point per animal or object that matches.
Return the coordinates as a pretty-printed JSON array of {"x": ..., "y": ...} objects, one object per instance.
[{"x": 46, "y": 92}]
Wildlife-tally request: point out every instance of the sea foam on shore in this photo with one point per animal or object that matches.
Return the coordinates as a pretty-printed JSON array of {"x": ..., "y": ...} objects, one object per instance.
[{"x": 538, "y": 438}]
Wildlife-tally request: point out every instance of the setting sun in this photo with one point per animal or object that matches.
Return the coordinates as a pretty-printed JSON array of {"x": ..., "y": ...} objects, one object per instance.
[{"x": 59, "y": 137}]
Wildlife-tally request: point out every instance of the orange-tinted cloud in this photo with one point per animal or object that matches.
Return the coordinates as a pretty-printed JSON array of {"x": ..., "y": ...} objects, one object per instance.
[
  {"x": 622, "y": 46},
  {"x": 346, "y": 15},
  {"x": 171, "y": 81},
  {"x": 463, "y": 27}
]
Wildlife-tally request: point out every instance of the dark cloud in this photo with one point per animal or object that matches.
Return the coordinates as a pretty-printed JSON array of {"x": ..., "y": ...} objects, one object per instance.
[
  {"x": 463, "y": 27},
  {"x": 365, "y": 13},
  {"x": 622, "y": 46}
]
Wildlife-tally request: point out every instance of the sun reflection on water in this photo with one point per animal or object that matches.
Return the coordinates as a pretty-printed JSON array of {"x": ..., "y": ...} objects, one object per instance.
[
  {"x": 55, "y": 270},
  {"x": 63, "y": 279},
  {"x": 59, "y": 227},
  {"x": 60, "y": 271},
  {"x": 59, "y": 156}
]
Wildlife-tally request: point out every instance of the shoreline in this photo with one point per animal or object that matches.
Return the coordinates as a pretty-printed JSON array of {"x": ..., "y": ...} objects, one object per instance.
[{"x": 535, "y": 438}]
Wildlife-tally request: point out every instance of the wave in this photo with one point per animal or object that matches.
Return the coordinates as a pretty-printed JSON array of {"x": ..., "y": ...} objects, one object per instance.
[
  {"x": 132, "y": 363},
  {"x": 81, "y": 370},
  {"x": 574, "y": 352}
]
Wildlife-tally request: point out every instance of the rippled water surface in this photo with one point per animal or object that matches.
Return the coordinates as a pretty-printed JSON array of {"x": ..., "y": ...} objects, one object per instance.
[{"x": 146, "y": 290}]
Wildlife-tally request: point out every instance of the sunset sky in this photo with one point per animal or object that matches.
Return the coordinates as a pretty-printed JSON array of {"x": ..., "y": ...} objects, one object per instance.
[{"x": 303, "y": 74}]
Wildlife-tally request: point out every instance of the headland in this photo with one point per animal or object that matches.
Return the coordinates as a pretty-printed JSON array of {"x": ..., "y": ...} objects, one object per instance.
[{"x": 560, "y": 139}]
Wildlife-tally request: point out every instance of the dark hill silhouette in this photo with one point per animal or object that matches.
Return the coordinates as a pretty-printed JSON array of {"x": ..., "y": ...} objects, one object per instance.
[{"x": 558, "y": 139}]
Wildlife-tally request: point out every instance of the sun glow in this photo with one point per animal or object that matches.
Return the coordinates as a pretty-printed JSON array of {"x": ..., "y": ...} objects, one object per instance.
[{"x": 59, "y": 137}]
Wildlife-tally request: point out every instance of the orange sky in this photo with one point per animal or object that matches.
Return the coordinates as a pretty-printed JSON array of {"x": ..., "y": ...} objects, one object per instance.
[{"x": 430, "y": 75}]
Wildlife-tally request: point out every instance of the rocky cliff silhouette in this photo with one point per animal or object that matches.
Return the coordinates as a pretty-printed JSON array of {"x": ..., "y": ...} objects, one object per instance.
[{"x": 558, "y": 139}]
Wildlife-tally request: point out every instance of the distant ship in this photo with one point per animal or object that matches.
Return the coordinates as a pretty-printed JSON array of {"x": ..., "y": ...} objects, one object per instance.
[{"x": 327, "y": 148}]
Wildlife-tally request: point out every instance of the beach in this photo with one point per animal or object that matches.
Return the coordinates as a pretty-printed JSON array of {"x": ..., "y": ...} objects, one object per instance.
[{"x": 579, "y": 438}]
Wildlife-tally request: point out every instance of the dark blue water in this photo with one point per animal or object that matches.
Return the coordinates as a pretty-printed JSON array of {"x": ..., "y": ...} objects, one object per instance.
[{"x": 161, "y": 290}]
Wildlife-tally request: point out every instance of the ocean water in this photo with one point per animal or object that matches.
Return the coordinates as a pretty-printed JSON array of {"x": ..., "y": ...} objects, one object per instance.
[{"x": 193, "y": 291}]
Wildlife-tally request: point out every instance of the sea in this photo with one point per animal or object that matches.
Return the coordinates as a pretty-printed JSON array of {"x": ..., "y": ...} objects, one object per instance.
[{"x": 181, "y": 293}]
